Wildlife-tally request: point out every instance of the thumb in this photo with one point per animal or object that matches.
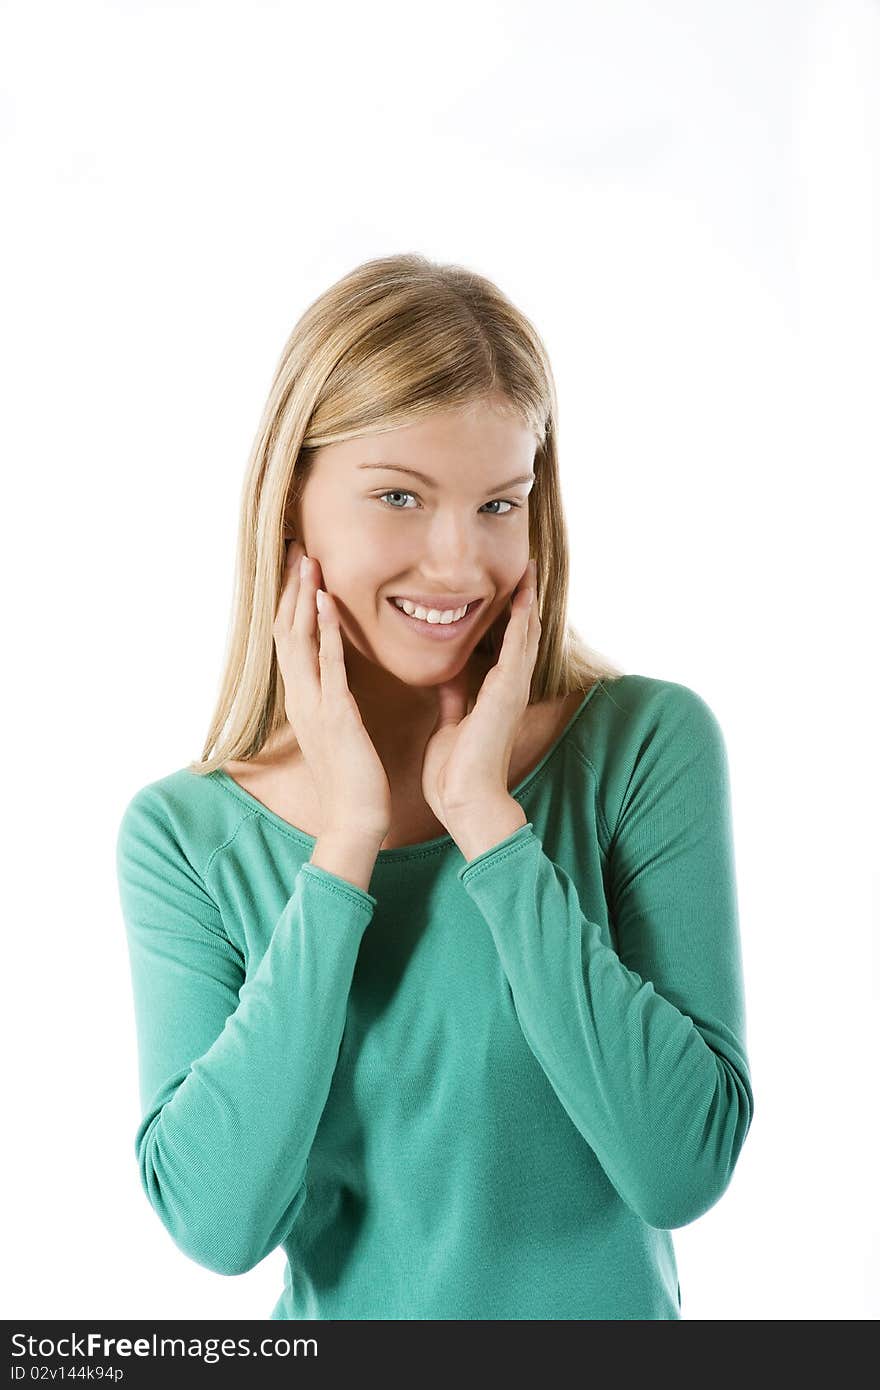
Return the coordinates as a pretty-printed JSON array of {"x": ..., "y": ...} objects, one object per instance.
[{"x": 452, "y": 700}]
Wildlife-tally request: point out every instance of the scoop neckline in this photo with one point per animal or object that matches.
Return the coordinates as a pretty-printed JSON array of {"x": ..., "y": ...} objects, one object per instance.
[{"x": 422, "y": 847}]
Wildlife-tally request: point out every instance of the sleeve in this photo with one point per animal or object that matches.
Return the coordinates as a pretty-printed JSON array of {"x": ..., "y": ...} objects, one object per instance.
[
  {"x": 234, "y": 1066},
  {"x": 645, "y": 1046}
]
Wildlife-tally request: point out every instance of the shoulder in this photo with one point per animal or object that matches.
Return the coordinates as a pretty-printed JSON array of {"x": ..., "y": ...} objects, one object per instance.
[
  {"x": 631, "y": 705},
  {"x": 637, "y": 727},
  {"x": 183, "y": 813}
]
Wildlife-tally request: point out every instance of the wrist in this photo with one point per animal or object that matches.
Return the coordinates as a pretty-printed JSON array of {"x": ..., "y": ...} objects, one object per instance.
[
  {"x": 348, "y": 855},
  {"x": 483, "y": 825}
]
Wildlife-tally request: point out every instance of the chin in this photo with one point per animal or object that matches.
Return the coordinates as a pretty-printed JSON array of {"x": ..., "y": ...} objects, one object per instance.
[{"x": 419, "y": 671}]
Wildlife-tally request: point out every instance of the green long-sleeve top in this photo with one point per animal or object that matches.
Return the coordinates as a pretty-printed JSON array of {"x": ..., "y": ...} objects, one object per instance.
[{"x": 483, "y": 1089}]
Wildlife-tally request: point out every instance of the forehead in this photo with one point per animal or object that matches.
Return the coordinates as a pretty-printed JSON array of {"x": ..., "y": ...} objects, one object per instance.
[{"x": 446, "y": 448}]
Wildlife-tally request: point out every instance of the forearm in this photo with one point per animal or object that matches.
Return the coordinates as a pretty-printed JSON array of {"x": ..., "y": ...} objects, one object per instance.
[
  {"x": 663, "y": 1098},
  {"x": 223, "y": 1148}
]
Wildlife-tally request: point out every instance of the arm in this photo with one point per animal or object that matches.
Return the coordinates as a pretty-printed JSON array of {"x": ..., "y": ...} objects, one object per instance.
[
  {"x": 235, "y": 1068},
  {"x": 646, "y": 1048}
]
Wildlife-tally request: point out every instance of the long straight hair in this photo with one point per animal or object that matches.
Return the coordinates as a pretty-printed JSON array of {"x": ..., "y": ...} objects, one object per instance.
[{"x": 394, "y": 340}]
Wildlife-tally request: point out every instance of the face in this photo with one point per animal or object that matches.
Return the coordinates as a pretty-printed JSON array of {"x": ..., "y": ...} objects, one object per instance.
[{"x": 460, "y": 532}]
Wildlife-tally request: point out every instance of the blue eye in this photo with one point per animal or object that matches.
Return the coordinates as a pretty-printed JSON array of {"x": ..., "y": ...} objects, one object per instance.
[{"x": 397, "y": 492}]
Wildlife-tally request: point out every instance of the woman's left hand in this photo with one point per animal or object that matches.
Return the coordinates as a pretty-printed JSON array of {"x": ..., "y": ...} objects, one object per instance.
[{"x": 467, "y": 758}]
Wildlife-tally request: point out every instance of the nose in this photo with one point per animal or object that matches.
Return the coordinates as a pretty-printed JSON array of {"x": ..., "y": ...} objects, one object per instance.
[{"x": 452, "y": 562}]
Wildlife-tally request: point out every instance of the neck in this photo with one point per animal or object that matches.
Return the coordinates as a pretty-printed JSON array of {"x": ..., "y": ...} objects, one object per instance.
[{"x": 398, "y": 717}]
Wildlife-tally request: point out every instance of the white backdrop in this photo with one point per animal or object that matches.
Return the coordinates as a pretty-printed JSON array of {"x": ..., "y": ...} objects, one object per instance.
[{"x": 683, "y": 197}]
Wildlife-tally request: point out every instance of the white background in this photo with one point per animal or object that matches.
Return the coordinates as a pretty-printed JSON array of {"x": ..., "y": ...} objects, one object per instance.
[{"x": 683, "y": 197}]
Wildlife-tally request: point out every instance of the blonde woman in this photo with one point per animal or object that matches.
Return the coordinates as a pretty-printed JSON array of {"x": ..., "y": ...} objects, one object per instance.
[{"x": 435, "y": 954}]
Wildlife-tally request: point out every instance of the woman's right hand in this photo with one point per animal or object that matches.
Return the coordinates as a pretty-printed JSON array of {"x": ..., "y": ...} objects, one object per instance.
[{"x": 351, "y": 782}]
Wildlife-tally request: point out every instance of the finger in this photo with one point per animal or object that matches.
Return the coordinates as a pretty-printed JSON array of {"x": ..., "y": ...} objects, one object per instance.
[
  {"x": 452, "y": 700},
  {"x": 289, "y": 587},
  {"x": 526, "y": 590},
  {"x": 519, "y": 648},
  {"x": 533, "y": 636},
  {"x": 331, "y": 654},
  {"x": 305, "y": 617},
  {"x": 516, "y": 634},
  {"x": 295, "y": 648},
  {"x": 533, "y": 620}
]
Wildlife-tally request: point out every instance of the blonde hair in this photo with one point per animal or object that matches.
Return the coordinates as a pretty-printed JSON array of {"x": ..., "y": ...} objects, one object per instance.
[{"x": 395, "y": 339}]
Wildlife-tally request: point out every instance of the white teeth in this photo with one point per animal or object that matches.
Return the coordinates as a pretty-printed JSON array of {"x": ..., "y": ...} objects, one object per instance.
[{"x": 431, "y": 615}]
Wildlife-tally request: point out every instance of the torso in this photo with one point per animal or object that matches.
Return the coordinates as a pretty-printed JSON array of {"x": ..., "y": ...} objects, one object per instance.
[{"x": 284, "y": 784}]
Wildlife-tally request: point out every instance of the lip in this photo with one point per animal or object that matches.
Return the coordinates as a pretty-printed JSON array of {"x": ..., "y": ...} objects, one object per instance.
[{"x": 439, "y": 632}]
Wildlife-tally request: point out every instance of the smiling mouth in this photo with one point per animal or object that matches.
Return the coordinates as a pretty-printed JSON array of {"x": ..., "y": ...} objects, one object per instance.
[
  {"x": 397, "y": 600},
  {"x": 437, "y": 628}
]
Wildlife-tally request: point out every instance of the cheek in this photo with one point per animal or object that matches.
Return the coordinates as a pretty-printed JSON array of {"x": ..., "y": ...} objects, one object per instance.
[{"x": 359, "y": 589}]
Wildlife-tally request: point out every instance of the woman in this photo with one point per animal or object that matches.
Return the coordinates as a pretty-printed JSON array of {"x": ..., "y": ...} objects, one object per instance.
[{"x": 435, "y": 953}]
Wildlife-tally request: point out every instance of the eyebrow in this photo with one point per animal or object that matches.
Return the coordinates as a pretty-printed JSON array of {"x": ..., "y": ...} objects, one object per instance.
[{"x": 399, "y": 468}]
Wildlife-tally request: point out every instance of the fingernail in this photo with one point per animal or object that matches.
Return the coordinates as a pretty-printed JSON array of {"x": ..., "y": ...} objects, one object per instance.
[
  {"x": 320, "y": 599},
  {"x": 302, "y": 566}
]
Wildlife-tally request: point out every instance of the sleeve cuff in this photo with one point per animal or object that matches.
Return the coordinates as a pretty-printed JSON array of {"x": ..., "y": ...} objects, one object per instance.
[
  {"x": 332, "y": 883},
  {"x": 521, "y": 837}
]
